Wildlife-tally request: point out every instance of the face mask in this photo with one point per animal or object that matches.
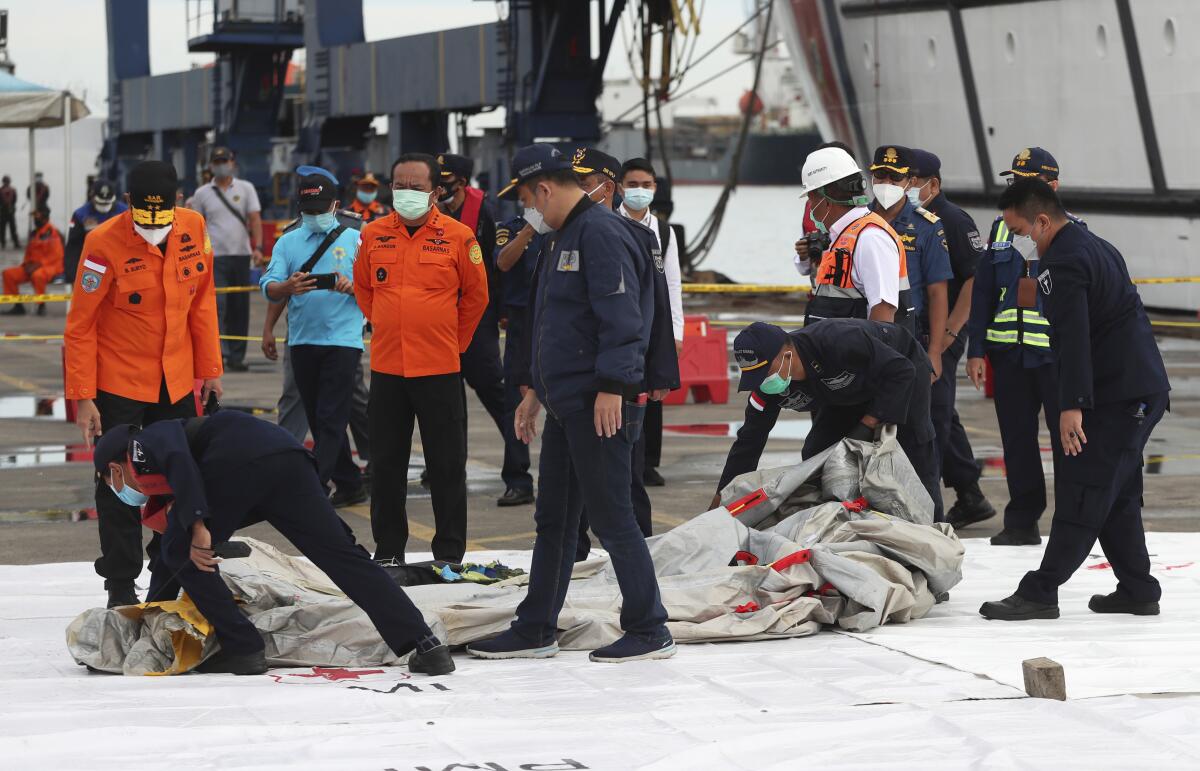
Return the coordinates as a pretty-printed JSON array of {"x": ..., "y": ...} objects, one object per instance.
[
  {"x": 449, "y": 196},
  {"x": 129, "y": 496},
  {"x": 775, "y": 384},
  {"x": 596, "y": 189},
  {"x": 887, "y": 194},
  {"x": 638, "y": 198},
  {"x": 411, "y": 204},
  {"x": 366, "y": 197},
  {"x": 103, "y": 208},
  {"x": 153, "y": 236},
  {"x": 1025, "y": 246},
  {"x": 320, "y": 223},
  {"x": 536, "y": 221},
  {"x": 914, "y": 195},
  {"x": 222, "y": 170},
  {"x": 821, "y": 226}
]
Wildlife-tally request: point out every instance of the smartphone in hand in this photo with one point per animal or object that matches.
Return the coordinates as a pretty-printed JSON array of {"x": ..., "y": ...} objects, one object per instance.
[{"x": 324, "y": 280}]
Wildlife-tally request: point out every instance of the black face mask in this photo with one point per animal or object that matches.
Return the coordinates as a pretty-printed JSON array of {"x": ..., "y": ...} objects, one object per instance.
[{"x": 449, "y": 194}]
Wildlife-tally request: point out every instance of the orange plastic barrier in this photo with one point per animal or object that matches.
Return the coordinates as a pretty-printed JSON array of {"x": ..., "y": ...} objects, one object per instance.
[{"x": 704, "y": 363}]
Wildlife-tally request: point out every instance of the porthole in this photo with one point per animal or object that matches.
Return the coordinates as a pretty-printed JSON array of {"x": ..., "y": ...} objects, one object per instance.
[
  {"x": 1169, "y": 36},
  {"x": 1010, "y": 47},
  {"x": 1101, "y": 41}
]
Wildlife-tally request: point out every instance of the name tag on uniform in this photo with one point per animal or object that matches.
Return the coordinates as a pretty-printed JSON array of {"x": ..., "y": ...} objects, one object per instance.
[{"x": 568, "y": 261}]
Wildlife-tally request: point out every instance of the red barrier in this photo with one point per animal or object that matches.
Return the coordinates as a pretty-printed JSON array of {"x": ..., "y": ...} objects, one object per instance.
[{"x": 704, "y": 363}]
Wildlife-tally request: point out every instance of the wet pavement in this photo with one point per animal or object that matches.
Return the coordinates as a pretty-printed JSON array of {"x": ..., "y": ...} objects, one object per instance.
[{"x": 45, "y": 480}]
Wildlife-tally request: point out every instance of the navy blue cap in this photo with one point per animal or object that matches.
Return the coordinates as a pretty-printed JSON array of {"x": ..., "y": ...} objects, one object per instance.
[
  {"x": 1031, "y": 162},
  {"x": 111, "y": 447},
  {"x": 529, "y": 162},
  {"x": 589, "y": 160},
  {"x": 314, "y": 193},
  {"x": 924, "y": 163},
  {"x": 456, "y": 165},
  {"x": 103, "y": 191},
  {"x": 893, "y": 158},
  {"x": 306, "y": 171},
  {"x": 754, "y": 349}
]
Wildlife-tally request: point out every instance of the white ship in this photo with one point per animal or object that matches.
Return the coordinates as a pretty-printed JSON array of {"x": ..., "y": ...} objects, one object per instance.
[{"x": 1110, "y": 87}]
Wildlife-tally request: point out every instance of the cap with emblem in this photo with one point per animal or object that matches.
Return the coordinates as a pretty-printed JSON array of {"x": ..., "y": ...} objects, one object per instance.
[
  {"x": 754, "y": 349},
  {"x": 589, "y": 160},
  {"x": 305, "y": 171},
  {"x": 892, "y": 158},
  {"x": 111, "y": 447},
  {"x": 368, "y": 181},
  {"x": 924, "y": 163},
  {"x": 220, "y": 154},
  {"x": 456, "y": 166},
  {"x": 314, "y": 193},
  {"x": 103, "y": 192},
  {"x": 152, "y": 186},
  {"x": 531, "y": 161},
  {"x": 1031, "y": 162}
]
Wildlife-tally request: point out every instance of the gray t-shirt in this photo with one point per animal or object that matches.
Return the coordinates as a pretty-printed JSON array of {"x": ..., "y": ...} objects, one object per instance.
[{"x": 229, "y": 236}]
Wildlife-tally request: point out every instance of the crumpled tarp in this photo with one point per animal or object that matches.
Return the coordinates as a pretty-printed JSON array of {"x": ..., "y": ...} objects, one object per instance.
[{"x": 782, "y": 567}]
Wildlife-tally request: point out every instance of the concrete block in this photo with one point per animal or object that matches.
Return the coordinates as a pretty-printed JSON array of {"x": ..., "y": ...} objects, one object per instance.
[{"x": 1044, "y": 679}]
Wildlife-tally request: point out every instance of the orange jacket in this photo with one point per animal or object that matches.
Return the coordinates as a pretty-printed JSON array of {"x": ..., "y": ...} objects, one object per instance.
[
  {"x": 45, "y": 247},
  {"x": 137, "y": 316},
  {"x": 423, "y": 294},
  {"x": 369, "y": 212}
]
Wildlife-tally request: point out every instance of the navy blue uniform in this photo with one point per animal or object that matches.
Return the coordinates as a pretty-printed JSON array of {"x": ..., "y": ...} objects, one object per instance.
[
  {"x": 852, "y": 367},
  {"x": 1109, "y": 367},
  {"x": 965, "y": 246},
  {"x": 592, "y": 316},
  {"x": 83, "y": 221},
  {"x": 514, "y": 295},
  {"x": 234, "y": 471}
]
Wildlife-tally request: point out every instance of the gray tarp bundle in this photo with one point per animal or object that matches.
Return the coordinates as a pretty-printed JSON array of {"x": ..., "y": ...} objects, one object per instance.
[{"x": 835, "y": 566}]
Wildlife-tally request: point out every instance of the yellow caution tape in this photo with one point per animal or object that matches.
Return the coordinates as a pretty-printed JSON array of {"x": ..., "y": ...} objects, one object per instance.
[
  {"x": 1166, "y": 280},
  {"x": 745, "y": 288},
  {"x": 34, "y": 298}
]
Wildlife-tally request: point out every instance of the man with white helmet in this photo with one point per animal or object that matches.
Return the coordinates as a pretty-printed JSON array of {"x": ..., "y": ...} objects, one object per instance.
[{"x": 864, "y": 273}]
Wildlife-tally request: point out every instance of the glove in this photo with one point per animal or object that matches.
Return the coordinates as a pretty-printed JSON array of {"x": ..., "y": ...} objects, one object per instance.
[{"x": 862, "y": 432}]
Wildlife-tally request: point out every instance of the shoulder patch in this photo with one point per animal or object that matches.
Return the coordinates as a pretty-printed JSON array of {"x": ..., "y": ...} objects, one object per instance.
[
  {"x": 207, "y": 242},
  {"x": 1045, "y": 282},
  {"x": 476, "y": 253},
  {"x": 976, "y": 241},
  {"x": 928, "y": 214}
]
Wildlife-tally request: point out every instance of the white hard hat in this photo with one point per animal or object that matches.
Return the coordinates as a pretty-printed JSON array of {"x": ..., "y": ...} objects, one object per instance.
[{"x": 828, "y": 164}]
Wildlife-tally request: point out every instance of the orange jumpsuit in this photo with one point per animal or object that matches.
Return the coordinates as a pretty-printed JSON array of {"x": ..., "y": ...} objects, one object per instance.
[
  {"x": 138, "y": 315},
  {"x": 45, "y": 249},
  {"x": 369, "y": 212},
  {"x": 423, "y": 294}
]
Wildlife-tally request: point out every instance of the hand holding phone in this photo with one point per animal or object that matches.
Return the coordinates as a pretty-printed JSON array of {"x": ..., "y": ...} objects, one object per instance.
[{"x": 324, "y": 280}]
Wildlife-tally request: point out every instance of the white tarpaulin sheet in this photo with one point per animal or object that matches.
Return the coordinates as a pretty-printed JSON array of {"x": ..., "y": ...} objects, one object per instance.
[{"x": 827, "y": 701}]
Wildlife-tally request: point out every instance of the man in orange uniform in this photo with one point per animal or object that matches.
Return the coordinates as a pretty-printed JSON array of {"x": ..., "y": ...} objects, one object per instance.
[
  {"x": 141, "y": 329},
  {"x": 420, "y": 280},
  {"x": 366, "y": 201},
  {"x": 43, "y": 261}
]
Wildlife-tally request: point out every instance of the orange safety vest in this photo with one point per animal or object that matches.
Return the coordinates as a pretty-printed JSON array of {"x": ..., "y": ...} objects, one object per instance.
[{"x": 834, "y": 294}]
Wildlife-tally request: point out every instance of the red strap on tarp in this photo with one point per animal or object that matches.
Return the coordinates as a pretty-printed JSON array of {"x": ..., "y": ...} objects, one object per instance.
[
  {"x": 858, "y": 504},
  {"x": 746, "y": 557},
  {"x": 747, "y": 502},
  {"x": 749, "y": 607},
  {"x": 795, "y": 558}
]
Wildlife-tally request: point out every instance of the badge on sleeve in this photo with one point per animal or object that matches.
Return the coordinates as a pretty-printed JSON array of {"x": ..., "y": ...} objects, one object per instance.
[
  {"x": 568, "y": 261},
  {"x": 93, "y": 273},
  {"x": 976, "y": 241},
  {"x": 476, "y": 253},
  {"x": 1045, "y": 282}
]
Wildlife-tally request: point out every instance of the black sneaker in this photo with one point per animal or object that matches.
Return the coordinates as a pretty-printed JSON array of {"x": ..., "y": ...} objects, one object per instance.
[
  {"x": 425, "y": 478},
  {"x": 515, "y": 497},
  {"x": 651, "y": 478},
  {"x": 510, "y": 645},
  {"x": 1017, "y": 608},
  {"x": 121, "y": 596},
  {"x": 1017, "y": 536},
  {"x": 435, "y": 661},
  {"x": 226, "y": 663},
  {"x": 16, "y": 310},
  {"x": 1119, "y": 602},
  {"x": 237, "y": 366},
  {"x": 633, "y": 647},
  {"x": 343, "y": 498},
  {"x": 41, "y": 309}
]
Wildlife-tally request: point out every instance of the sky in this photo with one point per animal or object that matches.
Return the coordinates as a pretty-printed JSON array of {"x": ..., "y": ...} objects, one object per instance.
[{"x": 38, "y": 41}]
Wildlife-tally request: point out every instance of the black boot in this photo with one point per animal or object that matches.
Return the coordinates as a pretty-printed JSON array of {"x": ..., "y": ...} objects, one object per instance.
[
  {"x": 971, "y": 507},
  {"x": 1119, "y": 602},
  {"x": 1017, "y": 536},
  {"x": 227, "y": 663},
  {"x": 433, "y": 660},
  {"x": 17, "y": 310},
  {"x": 651, "y": 478},
  {"x": 1017, "y": 608},
  {"x": 122, "y": 594}
]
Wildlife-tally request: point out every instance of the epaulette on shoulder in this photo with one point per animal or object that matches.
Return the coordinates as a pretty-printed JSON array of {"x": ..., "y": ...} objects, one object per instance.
[{"x": 928, "y": 215}]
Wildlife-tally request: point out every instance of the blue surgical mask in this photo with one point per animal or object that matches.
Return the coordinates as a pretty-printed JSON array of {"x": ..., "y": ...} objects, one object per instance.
[
  {"x": 775, "y": 384},
  {"x": 129, "y": 496},
  {"x": 366, "y": 196},
  {"x": 638, "y": 198},
  {"x": 411, "y": 204},
  {"x": 320, "y": 223},
  {"x": 914, "y": 195}
]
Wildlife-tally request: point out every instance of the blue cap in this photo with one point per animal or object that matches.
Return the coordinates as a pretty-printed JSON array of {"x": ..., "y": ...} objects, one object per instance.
[
  {"x": 893, "y": 158},
  {"x": 111, "y": 447},
  {"x": 1032, "y": 162},
  {"x": 530, "y": 162},
  {"x": 305, "y": 171},
  {"x": 754, "y": 349},
  {"x": 924, "y": 163}
]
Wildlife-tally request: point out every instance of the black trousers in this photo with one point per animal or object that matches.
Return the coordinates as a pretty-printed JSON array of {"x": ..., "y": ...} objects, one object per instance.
[
  {"x": 483, "y": 371},
  {"x": 233, "y": 310},
  {"x": 653, "y": 433},
  {"x": 284, "y": 490},
  {"x": 325, "y": 377},
  {"x": 8, "y": 224},
  {"x": 120, "y": 526},
  {"x": 953, "y": 449},
  {"x": 516, "y": 453},
  {"x": 435, "y": 403},
  {"x": 637, "y": 494},
  {"x": 1020, "y": 394},
  {"x": 1098, "y": 495}
]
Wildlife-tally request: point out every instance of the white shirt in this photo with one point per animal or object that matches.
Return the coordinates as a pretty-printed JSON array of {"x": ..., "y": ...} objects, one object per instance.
[
  {"x": 876, "y": 270},
  {"x": 670, "y": 268},
  {"x": 229, "y": 235}
]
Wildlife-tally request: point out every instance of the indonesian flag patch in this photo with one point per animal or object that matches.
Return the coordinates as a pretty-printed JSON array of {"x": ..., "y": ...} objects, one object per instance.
[{"x": 756, "y": 401}]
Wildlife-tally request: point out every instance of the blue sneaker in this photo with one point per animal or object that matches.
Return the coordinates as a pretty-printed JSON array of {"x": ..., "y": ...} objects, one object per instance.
[
  {"x": 631, "y": 647},
  {"x": 510, "y": 645}
]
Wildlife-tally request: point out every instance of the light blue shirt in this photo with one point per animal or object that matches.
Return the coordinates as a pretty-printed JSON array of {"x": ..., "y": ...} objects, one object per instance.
[{"x": 319, "y": 317}]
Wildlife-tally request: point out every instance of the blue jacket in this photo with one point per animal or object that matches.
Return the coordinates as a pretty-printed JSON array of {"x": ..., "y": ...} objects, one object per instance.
[
  {"x": 926, "y": 253},
  {"x": 592, "y": 314},
  {"x": 515, "y": 283}
]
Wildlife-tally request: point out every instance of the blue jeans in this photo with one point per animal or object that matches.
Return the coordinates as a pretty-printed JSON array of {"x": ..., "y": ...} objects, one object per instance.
[{"x": 577, "y": 465}]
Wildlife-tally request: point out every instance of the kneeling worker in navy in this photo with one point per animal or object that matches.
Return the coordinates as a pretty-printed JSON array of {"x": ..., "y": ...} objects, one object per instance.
[
  {"x": 229, "y": 471},
  {"x": 852, "y": 374},
  {"x": 1112, "y": 391},
  {"x": 593, "y": 305}
]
